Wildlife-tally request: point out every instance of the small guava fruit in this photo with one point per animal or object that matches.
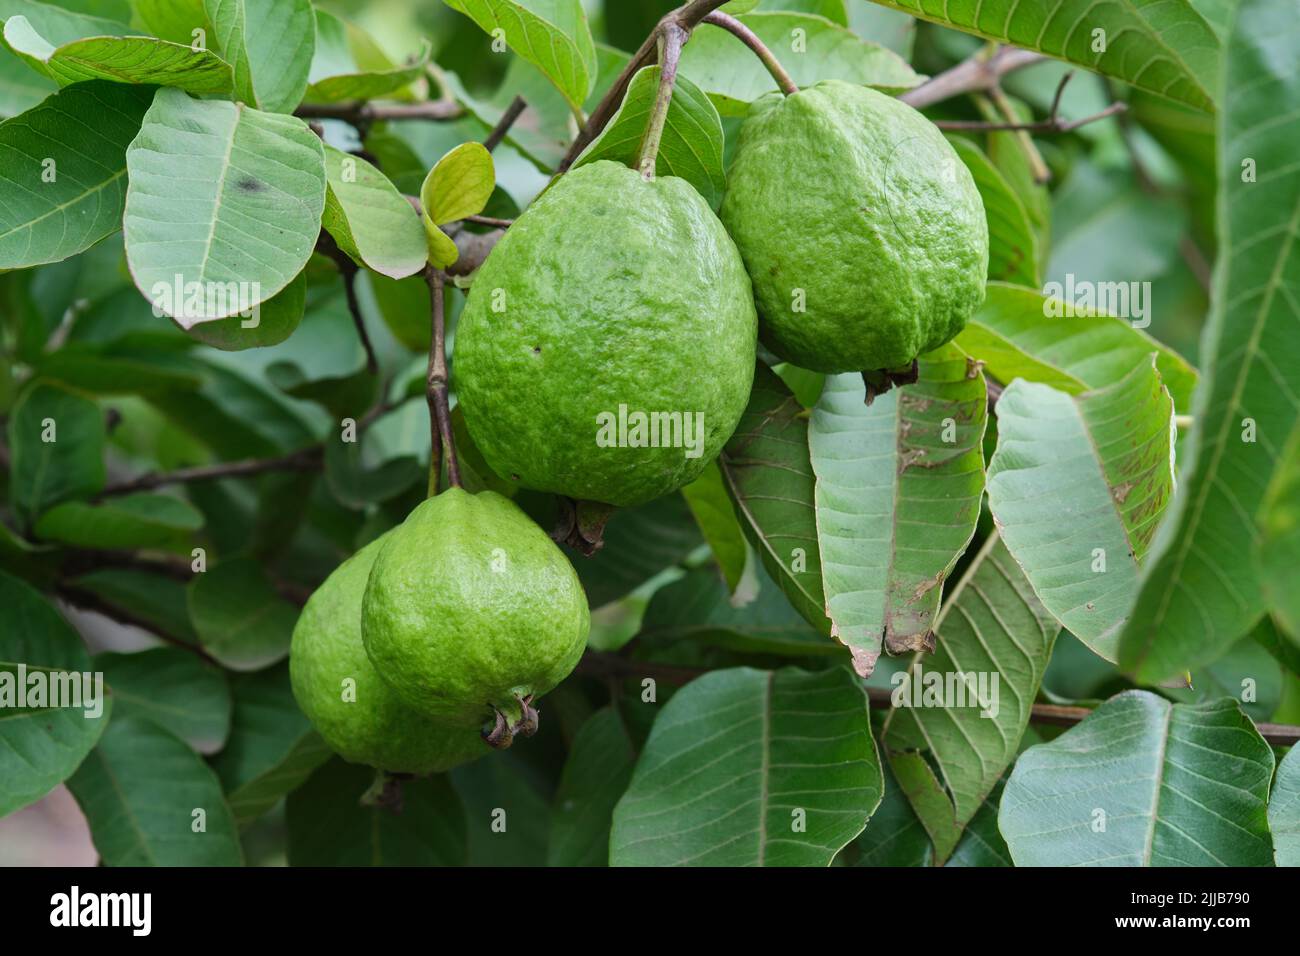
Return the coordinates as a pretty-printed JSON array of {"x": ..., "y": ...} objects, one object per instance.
[
  {"x": 472, "y": 612},
  {"x": 336, "y": 686},
  {"x": 606, "y": 350},
  {"x": 861, "y": 227}
]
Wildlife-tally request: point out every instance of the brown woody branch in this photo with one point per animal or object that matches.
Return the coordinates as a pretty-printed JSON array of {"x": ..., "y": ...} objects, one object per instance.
[
  {"x": 363, "y": 114},
  {"x": 306, "y": 459}
]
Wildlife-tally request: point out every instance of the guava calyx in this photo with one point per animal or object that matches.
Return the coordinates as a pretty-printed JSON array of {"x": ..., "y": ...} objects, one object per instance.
[
  {"x": 879, "y": 381},
  {"x": 581, "y": 524}
]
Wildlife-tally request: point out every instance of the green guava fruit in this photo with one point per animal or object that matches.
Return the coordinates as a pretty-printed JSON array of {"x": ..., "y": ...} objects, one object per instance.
[
  {"x": 472, "y": 612},
  {"x": 336, "y": 686},
  {"x": 606, "y": 351},
  {"x": 860, "y": 226}
]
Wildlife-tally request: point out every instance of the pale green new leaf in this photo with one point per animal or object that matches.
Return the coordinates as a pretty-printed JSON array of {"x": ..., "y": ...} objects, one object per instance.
[
  {"x": 1143, "y": 782},
  {"x": 369, "y": 219},
  {"x": 175, "y": 20},
  {"x": 269, "y": 44},
  {"x": 553, "y": 35},
  {"x": 767, "y": 471},
  {"x": 220, "y": 195},
  {"x": 708, "y": 501},
  {"x": 1279, "y": 544},
  {"x": 1077, "y": 486},
  {"x": 898, "y": 492},
  {"x": 949, "y": 749},
  {"x": 789, "y": 774},
  {"x": 63, "y": 178},
  {"x": 733, "y": 77},
  {"x": 1201, "y": 590},
  {"x": 337, "y": 76},
  {"x": 1165, "y": 46},
  {"x": 459, "y": 185},
  {"x": 121, "y": 59},
  {"x": 1013, "y": 247},
  {"x": 1284, "y": 810},
  {"x": 691, "y": 148},
  {"x": 1019, "y": 333}
]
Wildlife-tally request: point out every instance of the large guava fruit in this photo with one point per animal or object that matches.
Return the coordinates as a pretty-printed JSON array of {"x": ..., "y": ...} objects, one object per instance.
[
  {"x": 860, "y": 226},
  {"x": 610, "y": 301},
  {"x": 336, "y": 686},
  {"x": 472, "y": 612}
]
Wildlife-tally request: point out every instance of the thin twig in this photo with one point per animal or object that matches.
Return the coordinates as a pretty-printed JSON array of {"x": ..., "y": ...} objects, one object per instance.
[
  {"x": 348, "y": 270},
  {"x": 306, "y": 459},
  {"x": 436, "y": 384},
  {"x": 489, "y": 221},
  {"x": 362, "y": 114},
  {"x": 1051, "y": 125},
  {"x": 747, "y": 36},
  {"x": 494, "y": 138},
  {"x": 89, "y": 601},
  {"x": 979, "y": 73}
]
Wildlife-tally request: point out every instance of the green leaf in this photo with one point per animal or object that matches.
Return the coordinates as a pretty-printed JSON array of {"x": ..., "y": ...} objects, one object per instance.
[
  {"x": 1019, "y": 333},
  {"x": 459, "y": 185},
  {"x": 272, "y": 322},
  {"x": 174, "y": 20},
  {"x": 328, "y": 826},
  {"x": 69, "y": 58},
  {"x": 369, "y": 219},
  {"x": 1200, "y": 590},
  {"x": 21, "y": 87},
  {"x": 175, "y": 689},
  {"x": 146, "y": 795},
  {"x": 696, "y": 608},
  {"x": 1279, "y": 544},
  {"x": 239, "y": 617},
  {"x": 39, "y": 747},
  {"x": 770, "y": 479},
  {"x": 733, "y": 77},
  {"x": 789, "y": 777},
  {"x": 597, "y": 772},
  {"x": 155, "y": 600},
  {"x": 894, "y": 835},
  {"x": 503, "y": 789},
  {"x": 131, "y": 521},
  {"x": 552, "y": 35},
  {"x": 269, "y": 43},
  {"x": 336, "y": 76},
  {"x": 1173, "y": 784},
  {"x": 691, "y": 148},
  {"x": 994, "y": 642},
  {"x": 1013, "y": 247},
  {"x": 1110, "y": 454},
  {"x": 1284, "y": 810},
  {"x": 899, "y": 485},
  {"x": 221, "y": 195},
  {"x": 359, "y": 474},
  {"x": 56, "y": 438},
  {"x": 708, "y": 501},
  {"x": 64, "y": 180},
  {"x": 100, "y": 374},
  {"x": 1160, "y": 45},
  {"x": 272, "y": 748}
]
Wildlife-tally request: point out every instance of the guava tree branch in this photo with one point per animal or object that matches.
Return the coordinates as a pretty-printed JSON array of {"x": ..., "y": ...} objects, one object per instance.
[
  {"x": 89, "y": 601},
  {"x": 500, "y": 131},
  {"x": 305, "y": 459},
  {"x": 363, "y": 114},
  {"x": 1053, "y": 124},
  {"x": 978, "y": 73},
  {"x": 326, "y": 245},
  {"x": 748, "y": 37},
  {"x": 440, "y": 432}
]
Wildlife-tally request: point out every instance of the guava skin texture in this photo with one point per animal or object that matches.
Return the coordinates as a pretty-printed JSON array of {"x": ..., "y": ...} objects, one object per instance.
[
  {"x": 608, "y": 291},
  {"x": 376, "y": 728},
  {"x": 471, "y": 607},
  {"x": 858, "y": 200}
]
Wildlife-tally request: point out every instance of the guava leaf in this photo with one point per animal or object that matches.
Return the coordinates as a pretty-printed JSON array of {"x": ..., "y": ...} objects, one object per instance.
[
  {"x": 770, "y": 479},
  {"x": 269, "y": 43},
  {"x": 1284, "y": 810},
  {"x": 948, "y": 752},
  {"x": 1143, "y": 782},
  {"x": 272, "y": 748},
  {"x": 328, "y": 826},
  {"x": 144, "y": 794},
  {"x": 107, "y": 374},
  {"x": 1165, "y": 46},
  {"x": 174, "y": 688},
  {"x": 691, "y": 148},
  {"x": 791, "y": 774},
  {"x": 1019, "y": 333},
  {"x": 369, "y": 219},
  {"x": 1200, "y": 589},
  {"x": 899, "y": 485},
  {"x": 39, "y": 748},
  {"x": 122, "y": 523},
  {"x": 708, "y": 501},
  {"x": 336, "y": 76},
  {"x": 1013, "y": 247},
  {"x": 894, "y": 835},
  {"x": 1110, "y": 454},
  {"x": 506, "y": 791},
  {"x": 733, "y": 77},
  {"x": 275, "y": 320},
  {"x": 56, "y": 439},
  {"x": 553, "y": 35},
  {"x": 151, "y": 598},
  {"x": 595, "y": 775},
  {"x": 459, "y": 185},
  {"x": 221, "y": 195},
  {"x": 174, "y": 20},
  {"x": 1279, "y": 543},
  {"x": 64, "y": 180},
  {"x": 117, "y": 58},
  {"x": 240, "y": 619},
  {"x": 21, "y": 87}
]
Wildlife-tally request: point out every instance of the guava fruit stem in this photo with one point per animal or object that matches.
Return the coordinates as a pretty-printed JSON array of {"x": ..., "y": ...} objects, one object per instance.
[
  {"x": 671, "y": 39},
  {"x": 440, "y": 432},
  {"x": 748, "y": 37}
]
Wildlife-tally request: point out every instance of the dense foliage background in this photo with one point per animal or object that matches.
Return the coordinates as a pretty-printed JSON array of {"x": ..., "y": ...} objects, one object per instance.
[{"x": 714, "y": 719}]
